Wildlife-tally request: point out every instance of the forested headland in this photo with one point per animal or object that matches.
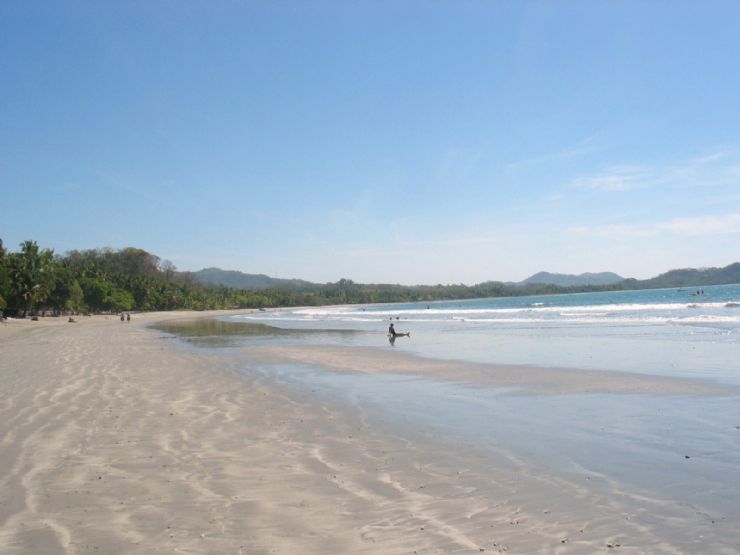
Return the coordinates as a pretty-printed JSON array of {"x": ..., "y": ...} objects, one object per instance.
[{"x": 34, "y": 279}]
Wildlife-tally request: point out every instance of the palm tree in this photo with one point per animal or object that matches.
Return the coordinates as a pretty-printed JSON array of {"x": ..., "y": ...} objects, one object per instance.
[{"x": 32, "y": 274}]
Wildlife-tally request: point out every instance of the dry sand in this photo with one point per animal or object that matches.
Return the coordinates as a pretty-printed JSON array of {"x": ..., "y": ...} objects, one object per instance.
[{"x": 115, "y": 441}]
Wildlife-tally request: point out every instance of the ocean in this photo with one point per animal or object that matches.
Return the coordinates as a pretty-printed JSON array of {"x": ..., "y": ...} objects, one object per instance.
[{"x": 683, "y": 332}]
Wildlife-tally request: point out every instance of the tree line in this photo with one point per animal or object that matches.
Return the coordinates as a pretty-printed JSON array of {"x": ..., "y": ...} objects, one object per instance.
[
  {"x": 106, "y": 280},
  {"x": 34, "y": 279}
]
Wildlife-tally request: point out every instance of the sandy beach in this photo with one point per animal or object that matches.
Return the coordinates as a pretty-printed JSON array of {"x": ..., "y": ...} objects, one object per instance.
[{"x": 114, "y": 440}]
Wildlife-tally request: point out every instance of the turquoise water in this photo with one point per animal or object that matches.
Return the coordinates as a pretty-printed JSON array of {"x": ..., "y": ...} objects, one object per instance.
[
  {"x": 717, "y": 306},
  {"x": 673, "y": 332}
]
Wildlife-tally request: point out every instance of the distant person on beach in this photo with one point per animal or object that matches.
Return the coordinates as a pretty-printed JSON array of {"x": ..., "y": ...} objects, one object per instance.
[
  {"x": 122, "y": 317},
  {"x": 128, "y": 316}
]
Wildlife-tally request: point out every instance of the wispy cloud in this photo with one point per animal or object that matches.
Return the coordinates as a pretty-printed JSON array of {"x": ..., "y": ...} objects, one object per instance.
[
  {"x": 703, "y": 225},
  {"x": 587, "y": 146},
  {"x": 414, "y": 247},
  {"x": 616, "y": 178},
  {"x": 708, "y": 158},
  {"x": 726, "y": 224},
  {"x": 719, "y": 168}
]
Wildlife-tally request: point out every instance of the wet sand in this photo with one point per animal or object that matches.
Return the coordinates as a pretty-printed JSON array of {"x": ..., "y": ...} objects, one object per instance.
[
  {"x": 526, "y": 379},
  {"x": 116, "y": 441}
]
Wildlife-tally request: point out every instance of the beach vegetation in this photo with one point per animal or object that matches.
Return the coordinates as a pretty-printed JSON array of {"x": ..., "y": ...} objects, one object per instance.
[
  {"x": 4, "y": 278},
  {"x": 75, "y": 301},
  {"x": 104, "y": 296},
  {"x": 31, "y": 273}
]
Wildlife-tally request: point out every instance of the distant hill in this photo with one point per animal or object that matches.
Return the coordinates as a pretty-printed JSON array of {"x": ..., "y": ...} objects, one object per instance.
[
  {"x": 675, "y": 278},
  {"x": 240, "y": 280},
  {"x": 569, "y": 280},
  {"x": 690, "y": 277}
]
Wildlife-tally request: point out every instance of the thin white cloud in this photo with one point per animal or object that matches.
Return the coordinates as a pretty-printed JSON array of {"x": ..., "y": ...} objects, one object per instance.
[
  {"x": 727, "y": 224},
  {"x": 619, "y": 232},
  {"x": 720, "y": 168},
  {"x": 429, "y": 248},
  {"x": 703, "y": 225},
  {"x": 723, "y": 199},
  {"x": 554, "y": 198},
  {"x": 711, "y": 157},
  {"x": 616, "y": 179},
  {"x": 584, "y": 148}
]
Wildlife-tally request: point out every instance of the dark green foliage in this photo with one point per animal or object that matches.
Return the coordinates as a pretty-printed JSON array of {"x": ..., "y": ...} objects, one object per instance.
[
  {"x": 4, "y": 278},
  {"x": 102, "y": 295},
  {"x": 31, "y": 273},
  {"x": 75, "y": 301},
  {"x": 133, "y": 279}
]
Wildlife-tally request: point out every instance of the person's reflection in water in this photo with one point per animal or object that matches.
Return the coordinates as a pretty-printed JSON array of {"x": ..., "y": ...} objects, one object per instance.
[{"x": 392, "y": 334}]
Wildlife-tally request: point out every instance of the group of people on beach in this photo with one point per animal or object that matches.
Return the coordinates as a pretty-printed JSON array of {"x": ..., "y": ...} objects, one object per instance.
[{"x": 126, "y": 316}]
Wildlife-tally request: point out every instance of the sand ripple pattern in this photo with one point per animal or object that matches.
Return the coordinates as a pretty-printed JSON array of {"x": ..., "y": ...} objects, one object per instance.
[{"x": 113, "y": 441}]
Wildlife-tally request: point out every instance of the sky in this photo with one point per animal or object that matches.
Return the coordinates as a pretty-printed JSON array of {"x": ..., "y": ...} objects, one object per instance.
[{"x": 413, "y": 142}]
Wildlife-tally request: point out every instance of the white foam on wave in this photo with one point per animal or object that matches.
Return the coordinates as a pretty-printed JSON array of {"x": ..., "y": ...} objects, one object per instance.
[
  {"x": 603, "y": 308},
  {"x": 723, "y": 313},
  {"x": 580, "y": 321},
  {"x": 613, "y": 320},
  {"x": 575, "y": 318}
]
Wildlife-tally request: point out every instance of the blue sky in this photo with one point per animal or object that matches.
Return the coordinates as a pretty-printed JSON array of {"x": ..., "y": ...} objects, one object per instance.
[{"x": 382, "y": 141}]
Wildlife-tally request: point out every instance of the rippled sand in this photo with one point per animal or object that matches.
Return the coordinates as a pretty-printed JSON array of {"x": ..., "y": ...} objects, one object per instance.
[{"x": 115, "y": 441}]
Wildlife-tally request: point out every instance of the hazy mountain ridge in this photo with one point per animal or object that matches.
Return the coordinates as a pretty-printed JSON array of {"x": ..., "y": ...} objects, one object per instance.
[
  {"x": 240, "y": 280},
  {"x": 691, "y": 277},
  {"x": 567, "y": 280},
  {"x": 687, "y": 277}
]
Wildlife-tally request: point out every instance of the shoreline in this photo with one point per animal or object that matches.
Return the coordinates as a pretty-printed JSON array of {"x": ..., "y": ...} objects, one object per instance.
[
  {"x": 115, "y": 440},
  {"x": 529, "y": 379}
]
